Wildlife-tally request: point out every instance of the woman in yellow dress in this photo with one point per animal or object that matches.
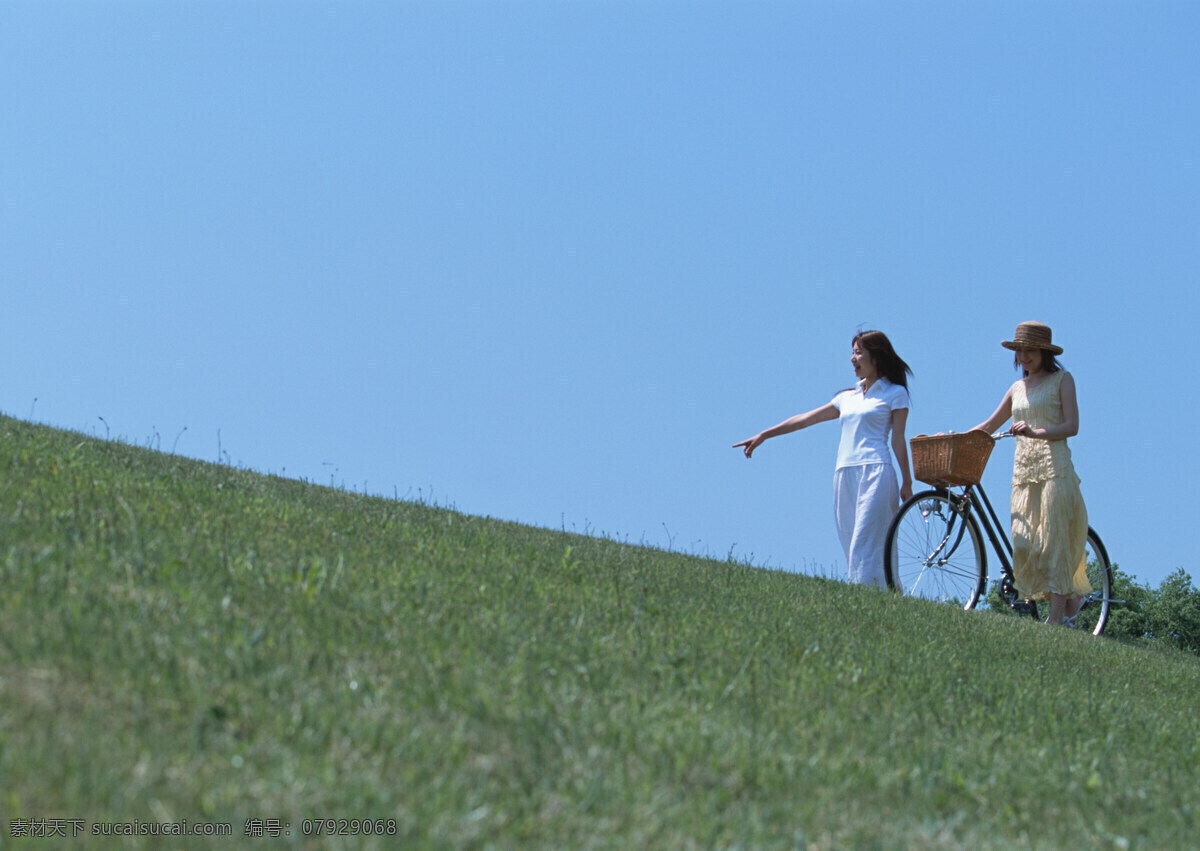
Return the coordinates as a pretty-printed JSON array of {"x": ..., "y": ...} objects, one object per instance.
[{"x": 1049, "y": 518}]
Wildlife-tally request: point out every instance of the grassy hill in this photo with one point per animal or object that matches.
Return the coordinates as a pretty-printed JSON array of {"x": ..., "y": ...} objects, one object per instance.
[{"x": 188, "y": 641}]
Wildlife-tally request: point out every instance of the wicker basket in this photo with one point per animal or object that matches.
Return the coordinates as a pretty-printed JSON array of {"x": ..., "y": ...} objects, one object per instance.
[{"x": 951, "y": 459}]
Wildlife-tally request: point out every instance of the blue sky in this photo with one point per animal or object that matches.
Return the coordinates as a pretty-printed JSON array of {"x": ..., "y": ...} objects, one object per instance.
[{"x": 547, "y": 261}]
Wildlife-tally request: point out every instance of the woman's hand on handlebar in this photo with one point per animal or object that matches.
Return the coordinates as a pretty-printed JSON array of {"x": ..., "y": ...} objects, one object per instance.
[{"x": 1022, "y": 429}]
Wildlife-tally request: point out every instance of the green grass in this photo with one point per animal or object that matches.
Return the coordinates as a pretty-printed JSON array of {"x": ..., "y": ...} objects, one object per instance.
[{"x": 181, "y": 640}]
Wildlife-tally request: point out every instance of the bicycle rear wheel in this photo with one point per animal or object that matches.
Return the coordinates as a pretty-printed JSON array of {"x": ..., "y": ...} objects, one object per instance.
[
  {"x": 934, "y": 550},
  {"x": 1093, "y": 615}
]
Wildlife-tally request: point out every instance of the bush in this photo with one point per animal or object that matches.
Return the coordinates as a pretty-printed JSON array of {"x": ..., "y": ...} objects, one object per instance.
[
  {"x": 1173, "y": 614},
  {"x": 1169, "y": 615}
]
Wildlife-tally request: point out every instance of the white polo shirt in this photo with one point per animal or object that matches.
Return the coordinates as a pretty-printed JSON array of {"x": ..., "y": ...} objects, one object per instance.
[{"x": 867, "y": 422}]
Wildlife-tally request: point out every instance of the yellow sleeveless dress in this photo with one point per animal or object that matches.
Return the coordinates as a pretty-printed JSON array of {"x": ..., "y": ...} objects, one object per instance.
[{"x": 1049, "y": 518}]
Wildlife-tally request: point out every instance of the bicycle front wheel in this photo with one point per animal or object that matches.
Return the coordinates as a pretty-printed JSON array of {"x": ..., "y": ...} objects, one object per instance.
[{"x": 934, "y": 550}]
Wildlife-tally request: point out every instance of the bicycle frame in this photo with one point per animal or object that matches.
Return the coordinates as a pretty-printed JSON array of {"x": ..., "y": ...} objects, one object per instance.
[{"x": 976, "y": 498}]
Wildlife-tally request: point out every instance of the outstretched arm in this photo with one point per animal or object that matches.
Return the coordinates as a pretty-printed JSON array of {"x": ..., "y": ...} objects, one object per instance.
[
  {"x": 900, "y": 447},
  {"x": 1000, "y": 417},
  {"x": 817, "y": 415}
]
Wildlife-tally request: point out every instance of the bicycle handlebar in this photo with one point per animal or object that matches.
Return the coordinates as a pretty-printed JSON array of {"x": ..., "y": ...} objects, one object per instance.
[{"x": 998, "y": 436}]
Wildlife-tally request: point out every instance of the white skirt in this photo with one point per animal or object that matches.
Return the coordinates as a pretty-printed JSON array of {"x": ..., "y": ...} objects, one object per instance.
[{"x": 865, "y": 499}]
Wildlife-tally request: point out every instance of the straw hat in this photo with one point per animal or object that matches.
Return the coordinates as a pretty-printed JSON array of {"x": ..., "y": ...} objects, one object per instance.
[{"x": 1032, "y": 335}]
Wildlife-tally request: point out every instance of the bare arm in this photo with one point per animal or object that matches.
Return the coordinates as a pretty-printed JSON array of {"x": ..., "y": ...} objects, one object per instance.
[
  {"x": 1069, "y": 427},
  {"x": 900, "y": 447},
  {"x": 817, "y": 415},
  {"x": 999, "y": 417}
]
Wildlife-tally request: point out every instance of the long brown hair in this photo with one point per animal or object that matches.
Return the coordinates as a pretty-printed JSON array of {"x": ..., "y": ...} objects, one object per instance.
[{"x": 890, "y": 365}]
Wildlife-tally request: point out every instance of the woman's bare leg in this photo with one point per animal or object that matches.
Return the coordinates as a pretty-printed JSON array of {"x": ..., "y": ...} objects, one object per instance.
[{"x": 1058, "y": 608}]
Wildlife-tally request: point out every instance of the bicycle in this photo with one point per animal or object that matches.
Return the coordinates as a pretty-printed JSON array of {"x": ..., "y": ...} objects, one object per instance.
[{"x": 934, "y": 548}]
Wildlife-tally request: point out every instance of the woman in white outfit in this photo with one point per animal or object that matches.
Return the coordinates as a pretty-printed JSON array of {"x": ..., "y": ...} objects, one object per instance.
[{"x": 873, "y": 414}]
